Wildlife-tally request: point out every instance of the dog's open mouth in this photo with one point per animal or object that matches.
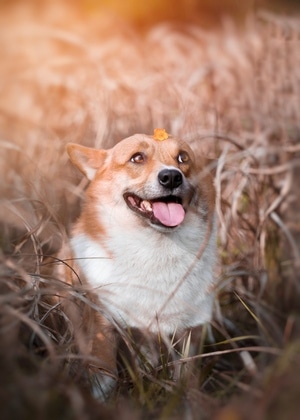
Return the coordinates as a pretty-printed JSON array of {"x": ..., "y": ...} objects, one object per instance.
[{"x": 167, "y": 211}]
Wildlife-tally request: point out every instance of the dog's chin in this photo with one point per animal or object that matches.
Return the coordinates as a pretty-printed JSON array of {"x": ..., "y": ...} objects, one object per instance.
[{"x": 156, "y": 212}]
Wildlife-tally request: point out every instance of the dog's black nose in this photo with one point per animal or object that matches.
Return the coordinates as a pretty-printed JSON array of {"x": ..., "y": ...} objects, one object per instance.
[{"x": 170, "y": 178}]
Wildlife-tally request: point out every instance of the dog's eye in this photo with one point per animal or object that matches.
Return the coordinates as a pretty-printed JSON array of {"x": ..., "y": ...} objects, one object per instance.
[
  {"x": 138, "y": 158},
  {"x": 183, "y": 157}
]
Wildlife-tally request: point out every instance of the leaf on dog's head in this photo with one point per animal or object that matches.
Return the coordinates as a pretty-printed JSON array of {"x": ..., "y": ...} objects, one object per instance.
[{"x": 160, "y": 134}]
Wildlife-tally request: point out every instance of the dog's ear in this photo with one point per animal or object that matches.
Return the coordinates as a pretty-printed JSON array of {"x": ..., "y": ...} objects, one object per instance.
[{"x": 86, "y": 159}]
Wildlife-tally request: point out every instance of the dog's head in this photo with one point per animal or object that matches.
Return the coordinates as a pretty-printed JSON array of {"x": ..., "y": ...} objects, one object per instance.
[{"x": 156, "y": 180}]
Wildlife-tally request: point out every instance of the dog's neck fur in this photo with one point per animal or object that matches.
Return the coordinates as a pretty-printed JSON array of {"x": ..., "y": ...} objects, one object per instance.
[{"x": 155, "y": 280}]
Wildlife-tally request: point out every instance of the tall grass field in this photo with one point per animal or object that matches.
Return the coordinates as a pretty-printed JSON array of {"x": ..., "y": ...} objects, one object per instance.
[{"x": 74, "y": 74}]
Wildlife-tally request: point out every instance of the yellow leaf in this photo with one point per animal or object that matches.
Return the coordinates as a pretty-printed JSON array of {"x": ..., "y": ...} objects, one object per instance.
[{"x": 160, "y": 134}]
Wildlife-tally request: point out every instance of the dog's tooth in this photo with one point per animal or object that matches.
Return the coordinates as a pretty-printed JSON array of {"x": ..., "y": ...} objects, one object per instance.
[{"x": 146, "y": 205}]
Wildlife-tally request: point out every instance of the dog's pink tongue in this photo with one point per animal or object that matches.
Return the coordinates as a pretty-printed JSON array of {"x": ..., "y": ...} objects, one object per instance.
[{"x": 169, "y": 214}]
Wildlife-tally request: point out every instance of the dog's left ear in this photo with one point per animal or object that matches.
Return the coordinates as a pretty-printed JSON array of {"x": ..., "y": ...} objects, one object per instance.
[{"x": 86, "y": 159}]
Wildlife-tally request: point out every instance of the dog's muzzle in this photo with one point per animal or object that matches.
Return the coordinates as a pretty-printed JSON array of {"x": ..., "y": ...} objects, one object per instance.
[{"x": 166, "y": 210}]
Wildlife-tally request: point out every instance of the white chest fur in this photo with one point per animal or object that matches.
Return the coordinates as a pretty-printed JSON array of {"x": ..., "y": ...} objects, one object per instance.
[{"x": 151, "y": 280}]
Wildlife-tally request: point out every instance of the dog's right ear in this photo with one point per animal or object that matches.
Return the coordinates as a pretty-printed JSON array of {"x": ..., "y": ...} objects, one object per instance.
[{"x": 86, "y": 159}]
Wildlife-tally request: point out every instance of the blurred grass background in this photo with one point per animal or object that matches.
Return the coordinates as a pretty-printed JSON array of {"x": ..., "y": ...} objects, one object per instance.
[{"x": 224, "y": 77}]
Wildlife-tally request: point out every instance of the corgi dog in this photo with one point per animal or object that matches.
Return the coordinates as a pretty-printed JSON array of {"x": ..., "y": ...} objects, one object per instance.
[{"x": 144, "y": 245}]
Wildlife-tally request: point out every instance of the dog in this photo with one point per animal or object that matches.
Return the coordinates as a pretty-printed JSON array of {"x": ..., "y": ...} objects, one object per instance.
[{"x": 144, "y": 246}]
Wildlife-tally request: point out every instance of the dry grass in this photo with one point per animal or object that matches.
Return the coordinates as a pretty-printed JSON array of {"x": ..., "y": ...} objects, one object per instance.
[{"x": 233, "y": 94}]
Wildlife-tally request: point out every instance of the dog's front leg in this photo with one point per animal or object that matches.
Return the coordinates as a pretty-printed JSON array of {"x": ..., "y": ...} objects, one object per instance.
[{"x": 103, "y": 366}]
